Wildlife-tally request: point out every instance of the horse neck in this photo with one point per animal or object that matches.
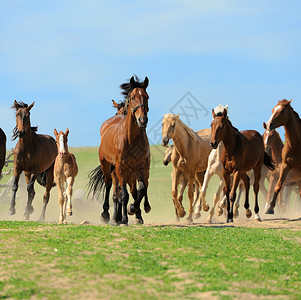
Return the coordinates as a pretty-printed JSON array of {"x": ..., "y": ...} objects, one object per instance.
[
  {"x": 180, "y": 140},
  {"x": 133, "y": 129},
  {"x": 293, "y": 131},
  {"x": 26, "y": 141},
  {"x": 230, "y": 138}
]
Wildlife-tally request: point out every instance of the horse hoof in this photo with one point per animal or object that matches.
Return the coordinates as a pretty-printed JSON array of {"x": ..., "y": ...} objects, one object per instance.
[
  {"x": 147, "y": 209},
  {"x": 41, "y": 220},
  {"x": 230, "y": 220},
  {"x": 12, "y": 211},
  {"x": 123, "y": 224},
  {"x": 105, "y": 217},
  {"x": 197, "y": 215},
  {"x": 25, "y": 217},
  {"x": 206, "y": 207},
  {"x": 248, "y": 213},
  {"x": 113, "y": 222},
  {"x": 235, "y": 214},
  {"x": 131, "y": 209},
  {"x": 208, "y": 221},
  {"x": 69, "y": 213},
  {"x": 258, "y": 219},
  {"x": 138, "y": 221},
  {"x": 60, "y": 222},
  {"x": 182, "y": 213},
  {"x": 189, "y": 220},
  {"x": 270, "y": 211}
]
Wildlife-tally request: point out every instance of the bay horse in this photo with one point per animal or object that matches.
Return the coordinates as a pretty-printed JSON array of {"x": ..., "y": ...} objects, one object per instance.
[
  {"x": 284, "y": 115},
  {"x": 192, "y": 156},
  {"x": 242, "y": 152},
  {"x": 34, "y": 154},
  {"x": 2, "y": 150},
  {"x": 124, "y": 154},
  {"x": 65, "y": 170}
]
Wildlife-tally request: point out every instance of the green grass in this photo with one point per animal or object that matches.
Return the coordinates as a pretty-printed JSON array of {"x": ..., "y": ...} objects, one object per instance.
[{"x": 71, "y": 261}]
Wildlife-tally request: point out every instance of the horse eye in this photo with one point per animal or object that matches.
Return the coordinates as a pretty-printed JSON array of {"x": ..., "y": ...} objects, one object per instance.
[{"x": 133, "y": 98}]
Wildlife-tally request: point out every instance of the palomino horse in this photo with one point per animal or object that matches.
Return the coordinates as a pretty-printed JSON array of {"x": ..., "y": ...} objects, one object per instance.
[
  {"x": 34, "y": 154},
  {"x": 284, "y": 115},
  {"x": 192, "y": 157},
  {"x": 124, "y": 149},
  {"x": 2, "y": 150},
  {"x": 242, "y": 152},
  {"x": 65, "y": 170}
]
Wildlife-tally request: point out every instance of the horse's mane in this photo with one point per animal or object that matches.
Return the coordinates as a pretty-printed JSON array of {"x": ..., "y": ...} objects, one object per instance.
[
  {"x": 120, "y": 104},
  {"x": 127, "y": 88},
  {"x": 285, "y": 102},
  {"x": 20, "y": 104}
]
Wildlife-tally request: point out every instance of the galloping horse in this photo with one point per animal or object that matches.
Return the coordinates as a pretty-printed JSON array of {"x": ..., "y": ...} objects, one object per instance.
[
  {"x": 243, "y": 151},
  {"x": 124, "y": 154},
  {"x": 65, "y": 170},
  {"x": 34, "y": 154},
  {"x": 284, "y": 115},
  {"x": 2, "y": 150},
  {"x": 192, "y": 152}
]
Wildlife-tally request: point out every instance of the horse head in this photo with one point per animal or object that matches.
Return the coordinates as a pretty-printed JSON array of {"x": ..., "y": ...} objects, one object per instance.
[
  {"x": 280, "y": 114},
  {"x": 167, "y": 155},
  {"x": 22, "y": 118},
  {"x": 62, "y": 142},
  {"x": 168, "y": 127},
  {"x": 137, "y": 100},
  {"x": 218, "y": 127}
]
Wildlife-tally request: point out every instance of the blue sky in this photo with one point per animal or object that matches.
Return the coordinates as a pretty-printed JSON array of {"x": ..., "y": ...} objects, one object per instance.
[{"x": 71, "y": 56}]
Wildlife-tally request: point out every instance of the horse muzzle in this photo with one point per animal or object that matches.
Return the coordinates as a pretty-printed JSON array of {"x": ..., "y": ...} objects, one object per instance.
[
  {"x": 165, "y": 141},
  {"x": 165, "y": 162},
  {"x": 142, "y": 122},
  {"x": 214, "y": 144}
]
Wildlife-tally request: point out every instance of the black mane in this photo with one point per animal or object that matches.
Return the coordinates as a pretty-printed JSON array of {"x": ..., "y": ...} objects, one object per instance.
[{"x": 128, "y": 88}]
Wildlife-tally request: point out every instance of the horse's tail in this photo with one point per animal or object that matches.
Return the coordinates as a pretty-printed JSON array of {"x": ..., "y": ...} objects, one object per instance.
[
  {"x": 268, "y": 161},
  {"x": 96, "y": 182},
  {"x": 42, "y": 177}
]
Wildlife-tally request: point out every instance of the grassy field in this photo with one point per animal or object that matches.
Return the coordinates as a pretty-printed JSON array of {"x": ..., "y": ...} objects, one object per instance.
[{"x": 154, "y": 261}]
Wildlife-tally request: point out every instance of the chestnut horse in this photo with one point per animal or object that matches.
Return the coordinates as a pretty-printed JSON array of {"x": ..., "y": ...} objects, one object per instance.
[
  {"x": 124, "y": 154},
  {"x": 65, "y": 170},
  {"x": 2, "y": 150},
  {"x": 284, "y": 115},
  {"x": 34, "y": 154},
  {"x": 242, "y": 152}
]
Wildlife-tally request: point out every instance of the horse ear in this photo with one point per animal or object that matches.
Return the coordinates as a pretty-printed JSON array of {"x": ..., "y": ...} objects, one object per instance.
[
  {"x": 213, "y": 113},
  {"x": 55, "y": 132},
  {"x": 145, "y": 82},
  {"x": 16, "y": 104},
  {"x": 178, "y": 116},
  {"x": 132, "y": 82},
  {"x": 30, "y": 106},
  {"x": 67, "y": 132},
  {"x": 264, "y": 125},
  {"x": 225, "y": 112},
  {"x": 115, "y": 104}
]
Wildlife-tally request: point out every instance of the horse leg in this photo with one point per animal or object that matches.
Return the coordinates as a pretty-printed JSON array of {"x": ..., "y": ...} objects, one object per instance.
[
  {"x": 257, "y": 175},
  {"x": 226, "y": 176},
  {"x": 272, "y": 184},
  {"x": 108, "y": 175},
  {"x": 245, "y": 178},
  {"x": 237, "y": 203},
  {"x": 70, "y": 182},
  {"x": 123, "y": 207},
  {"x": 180, "y": 212},
  {"x": 12, "y": 209},
  {"x": 30, "y": 179},
  {"x": 283, "y": 174},
  {"x": 190, "y": 196},
  {"x": 183, "y": 180},
  {"x": 200, "y": 179},
  {"x": 135, "y": 208},
  {"x": 232, "y": 196},
  {"x": 216, "y": 198},
  {"x": 49, "y": 184},
  {"x": 61, "y": 200}
]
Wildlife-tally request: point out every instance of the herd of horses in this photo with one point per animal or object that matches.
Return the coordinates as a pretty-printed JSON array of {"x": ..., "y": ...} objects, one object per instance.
[{"x": 238, "y": 158}]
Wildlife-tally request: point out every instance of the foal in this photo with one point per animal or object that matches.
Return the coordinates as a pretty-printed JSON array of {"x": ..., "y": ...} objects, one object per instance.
[
  {"x": 65, "y": 170},
  {"x": 243, "y": 151}
]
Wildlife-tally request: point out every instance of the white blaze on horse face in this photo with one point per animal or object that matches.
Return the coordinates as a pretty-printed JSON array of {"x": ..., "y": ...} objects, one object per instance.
[
  {"x": 278, "y": 107},
  {"x": 62, "y": 145}
]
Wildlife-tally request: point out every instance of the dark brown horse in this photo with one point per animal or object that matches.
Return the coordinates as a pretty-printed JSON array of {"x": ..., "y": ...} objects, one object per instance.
[
  {"x": 2, "y": 150},
  {"x": 243, "y": 152},
  {"x": 35, "y": 155},
  {"x": 284, "y": 115},
  {"x": 124, "y": 155}
]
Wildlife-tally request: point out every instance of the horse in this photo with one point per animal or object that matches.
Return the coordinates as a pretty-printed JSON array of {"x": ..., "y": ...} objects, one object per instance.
[
  {"x": 65, "y": 170},
  {"x": 242, "y": 152},
  {"x": 284, "y": 115},
  {"x": 124, "y": 154},
  {"x": 2, "y": 150},
  {"x": 35, "y": 155},
  {"x": 192, "y": 156}
]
